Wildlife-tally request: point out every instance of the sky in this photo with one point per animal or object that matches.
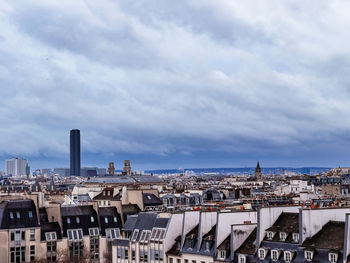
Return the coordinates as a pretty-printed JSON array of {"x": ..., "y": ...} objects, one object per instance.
[{"x": 170, "y": 84}]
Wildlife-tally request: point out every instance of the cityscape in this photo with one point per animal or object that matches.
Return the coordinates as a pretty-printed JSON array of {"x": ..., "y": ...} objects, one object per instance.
[{"x": 174, "y": 131}]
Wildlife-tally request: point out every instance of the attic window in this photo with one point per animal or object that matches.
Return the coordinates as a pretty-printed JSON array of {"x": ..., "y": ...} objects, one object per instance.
[
  {"x": 134, "y": 236},
  {"x": 92, "y": 219},
  {"x": 11, "y": 215},
  {"x": 149, "y": 197},
  {"x": 295, "y": 237},
  {"x": 106, "y": 220},
  {"x": 308, "y": 255},
  {"x": 262, "y": 253},
  {"x": 115, "y": 219},
  {"x": 222, "y": 254},
  {"x": 333, "y": 257},
  {"x": 18, "y": 215},
  {"x": 50, "y": 236},
  {"x": 112, "y": 233},
  {"x": 75, "y": 234},
  {"x": 77, "y": 220},
  {"x": 68, "y": 220},
  {"x": 241, "y": 259},
  {"x": 207, "y": 245},
  {"x": 269, "y": 235},
  {"x": 30, "y": 214},
  {"x": 274, "y": 255},
  {"x": 287, "y": 256},
  {"x": 94, "y": 231},
  {"x": 283, "y": 236}
]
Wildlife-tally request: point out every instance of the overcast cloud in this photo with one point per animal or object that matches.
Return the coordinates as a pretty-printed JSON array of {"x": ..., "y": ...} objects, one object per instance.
[{"x": 169, "y": 83}]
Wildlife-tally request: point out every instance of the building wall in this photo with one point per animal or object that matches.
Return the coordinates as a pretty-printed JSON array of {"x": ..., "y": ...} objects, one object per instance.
[{"x": 4, "y": 245}]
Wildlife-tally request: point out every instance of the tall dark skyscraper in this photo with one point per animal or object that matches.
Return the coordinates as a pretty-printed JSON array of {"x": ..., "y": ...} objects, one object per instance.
[{"x": 75, "y": 152}]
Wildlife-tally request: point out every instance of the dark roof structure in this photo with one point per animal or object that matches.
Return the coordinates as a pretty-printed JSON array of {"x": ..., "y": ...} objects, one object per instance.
[
  {"x": 331, "y": 236},
  {"x": 50, "y": 227},
  {"x": 151, "y": 200},
  {"x": 248, "y": 247},
  {"x": 18, "y": 214},
  {"x": 286, "y": 222}
]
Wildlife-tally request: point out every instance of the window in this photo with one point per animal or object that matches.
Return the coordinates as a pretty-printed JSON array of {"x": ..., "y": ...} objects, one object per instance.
[
  {"x": 193, "y": 261},
  {"x": 262, "y": 253},
  {"x": 308, "y": 255},
  {"x": 133, "y": 255},
  {"x": 207, "y": 245},
  {"x": 32, "y": 253},
  {"x": 274, "y": 255},
  {"x": 68, "y": 220},
  {"x": 295, "y": 237},
  {"x": 241, "y": 259},
  {"x": 94, "y": 231},
  {"x": 222, "y": 254},
  {"x": 75, "y": 234},
  {"x": 11, "y": 215},
  {"x": 32, "y": 234},
  {"x": 134, "y": 236},
  {"x": 126, "y": 253},
  {"x": 333, "y": 257},
  {"x": 106, "y": 220},
  {"x": 269, "y": 235},
  {"x": 283, "y": 236},
  {"x": 51, "y": 247},
  {"x": 287, "y": 256},
  {"x": 17, "y": 254},
  {"x": 92, "y": 219},
  {"x": 178, "y": 260},
  {"x": 115, "y": 219},
  {"x": 50, "y": 236},
  {"x": 94, "y": 243},
  {"x": 112, "y": 233},
  {"x": 77, "y": 220},
  {"x": 18, "y": 215},
  {"x": 30, "y": 214}
]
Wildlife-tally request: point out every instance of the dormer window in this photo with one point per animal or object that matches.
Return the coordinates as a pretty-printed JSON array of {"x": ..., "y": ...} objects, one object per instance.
[
  {"x": 270, "y": 235},
  {"x": 295, "y": 237},
  {"x": 288, "y": 256},
  {"x": 283, "y": 236},
  {"x": 190, "y": 243},
  {"x": 30, "y": 214},
  {"x": 308, "y": 255},
  {"x": 241, "y": 259},
  {"x": 275, "y": 254},
  {"x": 207, "y": 245},
  {"x": 222, "y": 254},
  {"x": 106, "y": 220},
  {"x": 262, "y": 253},
  {"x": 77, "y": 220},
  {"x": 115, "y": 219},
  {"x": 92, "y": 219},
  {"x": 11, "y": 215},
  {"x": 68, "y": 220},
  {"x": 18, "y": 215},
  {"x": 333, "y": 257}
]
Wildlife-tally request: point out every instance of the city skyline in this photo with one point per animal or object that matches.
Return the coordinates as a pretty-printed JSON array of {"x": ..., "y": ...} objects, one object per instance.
[{"x": 166, "y": 85}]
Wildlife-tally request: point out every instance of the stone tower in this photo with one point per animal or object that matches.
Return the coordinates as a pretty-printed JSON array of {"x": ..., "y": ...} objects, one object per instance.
[{"x": 258, "y": 173}]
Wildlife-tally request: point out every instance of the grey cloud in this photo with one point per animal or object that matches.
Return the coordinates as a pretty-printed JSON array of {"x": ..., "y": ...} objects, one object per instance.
[{"x": 174, "y": 78}]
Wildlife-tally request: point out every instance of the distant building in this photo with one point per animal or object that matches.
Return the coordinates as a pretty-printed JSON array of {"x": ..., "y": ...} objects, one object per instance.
[
  {"x": 111, "y": 168},
  {"x": 127, "y": 167},
  {"x": 75, "y": 162},
  {"x": 16, "y": 166},
  {"x": 62, "y": 172},
  {"x": 258, "y": 173}
]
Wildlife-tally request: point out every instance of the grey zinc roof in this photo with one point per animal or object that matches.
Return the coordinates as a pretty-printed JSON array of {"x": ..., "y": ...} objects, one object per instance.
[
  {"x": 77, "y": 210},
  {"x": 145, "y": 221},
  {"x": 161, "y": 222},
  {"x": 130, "y": 222},
  {"x": 148, "y": 179}
]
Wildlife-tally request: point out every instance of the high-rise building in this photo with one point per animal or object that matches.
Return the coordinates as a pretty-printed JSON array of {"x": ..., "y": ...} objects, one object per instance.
[
  {"x": 75, "y": 152},
  {"x": 15, "y": 166},
  {"x": 127, "y": 167}
]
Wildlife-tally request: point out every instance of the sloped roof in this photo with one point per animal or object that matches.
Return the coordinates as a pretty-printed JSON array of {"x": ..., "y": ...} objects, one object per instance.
[
  {"x": 331, "y": 236},
  {"x": 248, "y": 247}
]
